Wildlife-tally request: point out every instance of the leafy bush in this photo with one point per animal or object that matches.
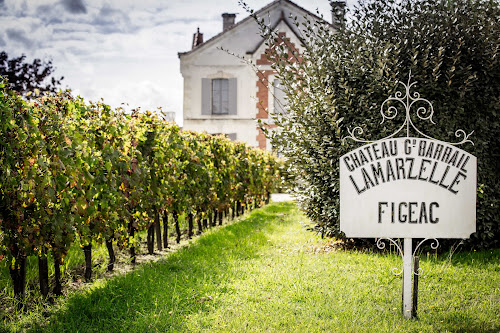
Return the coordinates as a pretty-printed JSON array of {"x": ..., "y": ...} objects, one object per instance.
[{"x": 342, "y": 78}]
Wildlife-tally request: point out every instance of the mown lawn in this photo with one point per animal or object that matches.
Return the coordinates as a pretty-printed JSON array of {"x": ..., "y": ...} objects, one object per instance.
[{"x": 268, "y": 274}]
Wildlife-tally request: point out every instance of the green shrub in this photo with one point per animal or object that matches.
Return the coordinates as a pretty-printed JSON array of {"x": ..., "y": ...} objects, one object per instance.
[{"x": 343, "y": 77}]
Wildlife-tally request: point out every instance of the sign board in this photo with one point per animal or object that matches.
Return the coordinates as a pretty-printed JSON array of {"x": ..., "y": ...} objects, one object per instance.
[{"x": 408, "y": 187}]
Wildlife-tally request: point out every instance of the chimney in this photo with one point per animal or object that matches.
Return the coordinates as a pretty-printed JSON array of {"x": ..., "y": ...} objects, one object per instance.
[
  {"x": 338, "y": 12},
  {"x": 197, "y": 38},
  {"x": 227, "y": 21}
]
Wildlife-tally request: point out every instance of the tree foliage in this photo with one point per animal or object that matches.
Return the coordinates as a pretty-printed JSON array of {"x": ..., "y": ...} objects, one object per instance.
[
  {"x": 451, "y": 50},
  {"x": 25, "y": 77}
]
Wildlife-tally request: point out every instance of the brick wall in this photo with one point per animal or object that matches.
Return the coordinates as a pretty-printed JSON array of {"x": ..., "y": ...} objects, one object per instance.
[{"x": 263, "y": 83}]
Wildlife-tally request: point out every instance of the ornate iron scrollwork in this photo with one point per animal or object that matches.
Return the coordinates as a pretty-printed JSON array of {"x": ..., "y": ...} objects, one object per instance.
[{"x": 407, "y": 101}]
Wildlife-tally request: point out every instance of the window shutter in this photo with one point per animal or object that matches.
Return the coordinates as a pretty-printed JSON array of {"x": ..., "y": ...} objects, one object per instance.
[
  {"x": 206, "y": 93},
  {"x": 232, "y": 96}
]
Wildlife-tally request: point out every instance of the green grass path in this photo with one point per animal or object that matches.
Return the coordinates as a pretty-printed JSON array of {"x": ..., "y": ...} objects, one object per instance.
[{"x": 266, "y": 273}]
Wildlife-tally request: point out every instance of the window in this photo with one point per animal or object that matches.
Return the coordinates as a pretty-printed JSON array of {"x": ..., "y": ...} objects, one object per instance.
[
  {"x": 279, "y": 97},
  {"x": 220, "y": 96}
]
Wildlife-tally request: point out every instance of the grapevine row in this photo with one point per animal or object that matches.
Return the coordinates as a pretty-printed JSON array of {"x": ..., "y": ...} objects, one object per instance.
[{"x": 76, "y": 171}]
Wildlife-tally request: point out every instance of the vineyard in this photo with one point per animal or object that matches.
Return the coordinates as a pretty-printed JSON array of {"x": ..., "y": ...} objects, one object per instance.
[{"x": 78, "y": 172}]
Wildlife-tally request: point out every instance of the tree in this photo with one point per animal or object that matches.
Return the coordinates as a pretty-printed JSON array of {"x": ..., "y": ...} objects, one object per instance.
[
  {"x": 24, "y": 77},
  {"x": 451, "y": 50}
]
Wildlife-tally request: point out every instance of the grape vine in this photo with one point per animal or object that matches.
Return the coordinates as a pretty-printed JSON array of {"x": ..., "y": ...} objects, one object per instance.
[{"x": 72, "y": 171}]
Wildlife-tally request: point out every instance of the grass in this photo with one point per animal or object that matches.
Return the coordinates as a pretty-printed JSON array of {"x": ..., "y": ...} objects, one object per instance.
[
  {"x": 266, "y": 273},
  {"x": 37, "y": 309}
]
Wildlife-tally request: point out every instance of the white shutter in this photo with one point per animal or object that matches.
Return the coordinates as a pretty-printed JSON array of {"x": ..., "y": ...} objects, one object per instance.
[
  {"x": 233, "y": 96},
  {"x": 206, "y": 97}
]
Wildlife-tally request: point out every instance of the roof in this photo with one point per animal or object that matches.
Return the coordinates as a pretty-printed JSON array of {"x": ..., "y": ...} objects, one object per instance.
[
  {"x": 257, "y": 13},
  {"x": 282, "y": 19}
]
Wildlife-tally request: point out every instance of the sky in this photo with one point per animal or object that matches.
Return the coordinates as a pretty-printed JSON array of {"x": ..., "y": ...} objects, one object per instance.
[{"x": 121, "y": 51}]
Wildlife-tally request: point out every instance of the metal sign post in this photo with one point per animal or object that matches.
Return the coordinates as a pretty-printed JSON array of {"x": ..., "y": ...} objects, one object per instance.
[
  {"x": 410, "y": 290},
  {"x": 404, "y": 187},
  {"x": 407, "y": 278}
]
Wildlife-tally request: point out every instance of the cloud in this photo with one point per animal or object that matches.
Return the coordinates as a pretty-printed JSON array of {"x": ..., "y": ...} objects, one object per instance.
[
  {"x": 74, "y": 6},
  {"x": 19, "y": 35},
  {"x": 17, "y": 8},
  {"x": 44, "y": 9},
  {"x": 110, "y": 20},
  {"x": 55, "y": 20}
]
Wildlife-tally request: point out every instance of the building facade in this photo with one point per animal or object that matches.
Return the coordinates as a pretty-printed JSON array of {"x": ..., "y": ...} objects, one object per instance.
[{"x": 223, "y": 93}]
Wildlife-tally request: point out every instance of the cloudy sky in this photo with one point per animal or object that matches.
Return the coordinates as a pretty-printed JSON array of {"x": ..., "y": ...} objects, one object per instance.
[{"x": 124, "y": 51}]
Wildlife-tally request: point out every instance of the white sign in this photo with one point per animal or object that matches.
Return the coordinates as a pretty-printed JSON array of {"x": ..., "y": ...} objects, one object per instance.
[{"x": 408, "y": 188}]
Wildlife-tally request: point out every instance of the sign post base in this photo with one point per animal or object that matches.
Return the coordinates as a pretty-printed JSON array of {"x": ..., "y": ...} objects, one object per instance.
[
  {"x": 407, "y": 278},
  {"x": 410, "y": 289}
]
